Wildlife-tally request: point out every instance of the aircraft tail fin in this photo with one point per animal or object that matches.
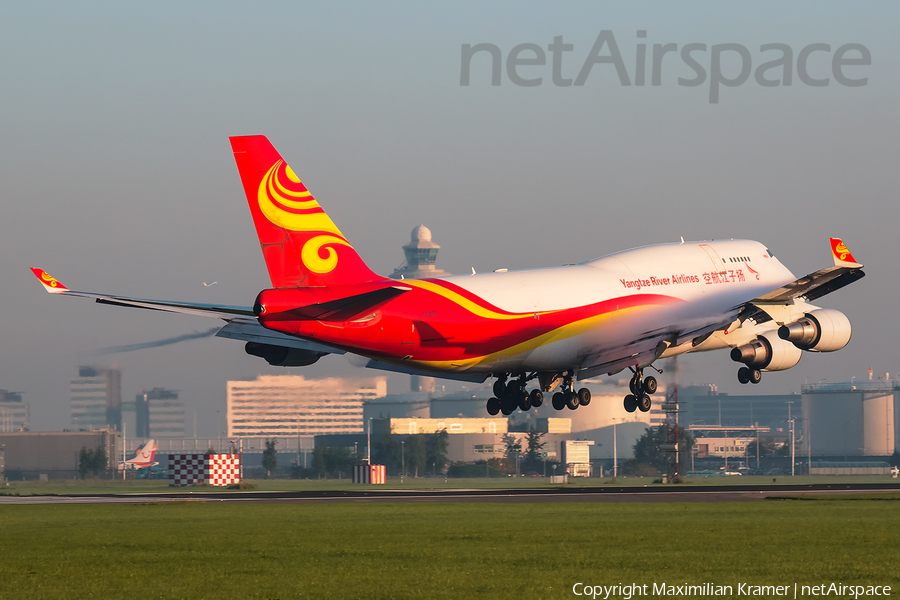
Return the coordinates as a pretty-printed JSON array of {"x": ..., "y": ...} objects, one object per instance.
[
  {"x": 149, "y": 450},
  {"x": 301, "y": 245},
  {"x": 144, "y": 455}
]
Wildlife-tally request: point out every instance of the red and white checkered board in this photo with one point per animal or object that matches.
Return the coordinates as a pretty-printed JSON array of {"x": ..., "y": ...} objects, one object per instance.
[
  {"x": 368, "y": 474},
  {"x": 224, "y": 469}
]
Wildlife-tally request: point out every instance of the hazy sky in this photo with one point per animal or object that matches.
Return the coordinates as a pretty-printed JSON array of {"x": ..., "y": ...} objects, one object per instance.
[{"x": 117, "y": 176}]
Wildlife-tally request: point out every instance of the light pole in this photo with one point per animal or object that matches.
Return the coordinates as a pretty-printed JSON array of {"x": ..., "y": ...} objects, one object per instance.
[
  {"x": 792, "y": 447},
  {"x": 615, "y": 452},
  {"x": 809, "y": 446},
  {"x": 693, "y": 453},
  {"x": 369, "y": 441},
  {"x": 402, "y": 460}
]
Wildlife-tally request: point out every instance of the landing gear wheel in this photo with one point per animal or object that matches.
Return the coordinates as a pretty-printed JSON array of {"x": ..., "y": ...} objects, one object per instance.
[
  {"x": 572, "y": 400},
  {"x": 524, "y": 401},
  {"x": 644, "y": 402},
  {"x": 507, "y": 409},
  {"x": 650, "y": 385},
  {"x": 633, "y": 384},
  {"x": 508, "y": 404},
  {"x": 493, "y": 406},
  {"x": 500, "y": 388},
  {"x": 584, "y": 396},
  {"x": 536, "y": 397},
  {"x": 558, "y": 401},
  {"x": 755, "y": 376},
  {"x": 630, "y": 403},
  {"x": 744, "y": 375}
]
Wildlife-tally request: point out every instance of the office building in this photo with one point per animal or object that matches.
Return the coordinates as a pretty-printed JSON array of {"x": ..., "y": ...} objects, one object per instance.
[
  {"x": 159, "y": 414},
  {"x": 13, "y": 412},
  {"x": 292, "y": 405},
  {"x": 96, "y": 399}
]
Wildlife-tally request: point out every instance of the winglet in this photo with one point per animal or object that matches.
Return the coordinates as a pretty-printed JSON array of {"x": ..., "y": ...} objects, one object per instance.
[
  {"x": 49, "y": 282},
  {"x": 842, "y": 256}
]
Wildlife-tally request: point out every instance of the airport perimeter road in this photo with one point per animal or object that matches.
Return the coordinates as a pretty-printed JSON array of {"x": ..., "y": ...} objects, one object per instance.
[{"x": 729, "y": 493}]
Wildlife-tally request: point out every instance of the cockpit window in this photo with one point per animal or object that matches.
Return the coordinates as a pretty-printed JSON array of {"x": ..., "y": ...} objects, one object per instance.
[{"x": 769, "y": 252}]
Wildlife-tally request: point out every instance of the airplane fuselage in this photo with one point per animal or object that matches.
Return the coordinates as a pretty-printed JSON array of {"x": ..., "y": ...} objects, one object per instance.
[{"x": 544, "y": 319}]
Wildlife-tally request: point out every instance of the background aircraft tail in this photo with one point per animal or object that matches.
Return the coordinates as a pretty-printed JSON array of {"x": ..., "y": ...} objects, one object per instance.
[
  {"x": 300, "y": 243},
  {"x": 143, "y": 456}
]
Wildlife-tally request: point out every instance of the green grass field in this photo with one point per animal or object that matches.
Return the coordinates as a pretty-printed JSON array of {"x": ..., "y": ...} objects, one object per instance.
[
  {"x": 140, "y": 486},
  {"x": 443, "y": 550}
]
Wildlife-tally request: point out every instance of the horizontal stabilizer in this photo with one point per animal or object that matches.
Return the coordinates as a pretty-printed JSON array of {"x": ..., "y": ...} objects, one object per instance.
[
  {"x": 344, "y": 309},
  {"x": 249, "y": 330}
]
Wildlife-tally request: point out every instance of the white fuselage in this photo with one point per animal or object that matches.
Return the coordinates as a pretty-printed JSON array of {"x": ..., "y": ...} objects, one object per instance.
[{"x": 707, "y": 282}]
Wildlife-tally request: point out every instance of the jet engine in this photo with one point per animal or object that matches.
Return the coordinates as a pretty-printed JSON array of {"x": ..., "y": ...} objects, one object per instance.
[
  {"x": 282, "y": 356},
  {"x": 823, "y": 330},
  {"x": 767, "y": 353}
]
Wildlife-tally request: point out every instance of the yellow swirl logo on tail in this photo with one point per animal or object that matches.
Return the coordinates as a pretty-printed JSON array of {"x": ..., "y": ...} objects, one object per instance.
[
  {"x": 841, "y": 251},
  {"x": 51, "y": 281},
  {"x": 274, "y": 203},
  {"x": 311, "y": 258},
  {"x": 289, "y": 205}
]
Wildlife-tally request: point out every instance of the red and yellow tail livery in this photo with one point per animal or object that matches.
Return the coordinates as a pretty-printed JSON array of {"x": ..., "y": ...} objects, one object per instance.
[{"x": 301, "y": 245}]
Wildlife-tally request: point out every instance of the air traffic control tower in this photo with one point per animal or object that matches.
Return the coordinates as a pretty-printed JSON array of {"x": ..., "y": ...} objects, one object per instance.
[{"x": 421, "y": 254}]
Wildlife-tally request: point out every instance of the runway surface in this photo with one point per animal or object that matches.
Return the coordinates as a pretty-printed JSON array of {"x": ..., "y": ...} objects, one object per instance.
[{"x": 730, "y": 493}]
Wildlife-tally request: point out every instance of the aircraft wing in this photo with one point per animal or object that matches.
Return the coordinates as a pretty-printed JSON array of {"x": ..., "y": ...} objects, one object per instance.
[
  {"x": 242, "y": 324},
  {"x": 824, "y": 281},
  {"x": 462, "y": 376},
  {"x": 219, "y": 311}
]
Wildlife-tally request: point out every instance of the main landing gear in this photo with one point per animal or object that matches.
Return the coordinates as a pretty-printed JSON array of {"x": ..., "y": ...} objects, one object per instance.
[
  {"x": 641, "y": 388},
  {"x": 748, "y": 375},
  {"x": 510, "y": 395},
  {"x": 567, "y": 397}
]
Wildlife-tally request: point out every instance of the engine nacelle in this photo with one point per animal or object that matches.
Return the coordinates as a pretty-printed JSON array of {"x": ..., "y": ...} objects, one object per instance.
[
  {"x": 767, "y": 353},
  {"x": 823, "y": 330},
  {"x": 282, "y": 356}
]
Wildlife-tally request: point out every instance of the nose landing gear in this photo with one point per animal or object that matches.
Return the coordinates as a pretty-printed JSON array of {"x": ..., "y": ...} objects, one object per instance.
[{"x": 748, "y": 375}]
